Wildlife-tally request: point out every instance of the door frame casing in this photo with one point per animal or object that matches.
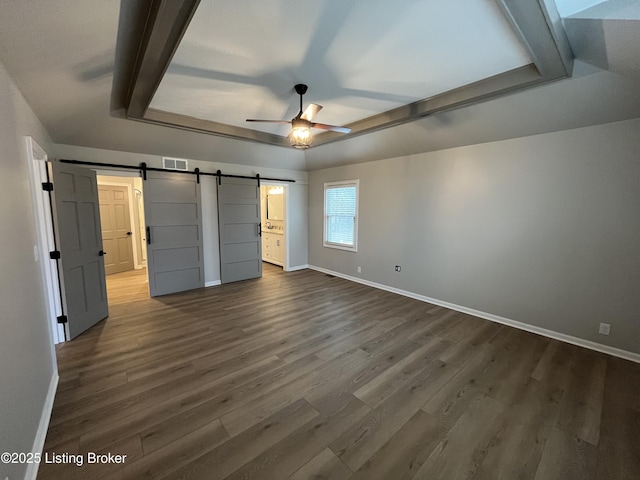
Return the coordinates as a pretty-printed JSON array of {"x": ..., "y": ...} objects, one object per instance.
[
  {"x": 37, "y": 160},
  {"x": 285, "y": 186}
]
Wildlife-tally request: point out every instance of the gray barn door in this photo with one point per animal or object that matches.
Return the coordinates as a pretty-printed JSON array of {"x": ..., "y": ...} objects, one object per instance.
[
  {"x": 240, "y": 229},
  {"x": 79, "y": 240},
  {"x": 173, "y": 215}
]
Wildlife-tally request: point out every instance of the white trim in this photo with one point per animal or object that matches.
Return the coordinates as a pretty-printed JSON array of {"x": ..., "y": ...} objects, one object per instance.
[
  {"x": 38, "y": 152},
  {"x": 285, "y": 221},
  {"x": 287, "y": 225},
  {"x": 598, "y": 347},
  {"x": 298, "y": 267},
  {"x": 212, "y": 283},
  {"x": 327, "y": 244},
  {"x": 115, "y": 173},
  {"x": 36, "y": 159},
  {"x": 43, "y": 426}
]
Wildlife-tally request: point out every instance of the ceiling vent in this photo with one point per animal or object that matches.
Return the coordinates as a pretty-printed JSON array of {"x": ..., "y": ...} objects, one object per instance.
[{"x": 174, "y": 164}]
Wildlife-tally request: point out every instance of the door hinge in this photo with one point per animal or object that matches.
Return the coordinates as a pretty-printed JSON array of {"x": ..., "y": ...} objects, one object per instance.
[
  {"x": 62, "y": 319},
  {"x": 47, "y": 186},
  {"x": 55, "y": 255}
]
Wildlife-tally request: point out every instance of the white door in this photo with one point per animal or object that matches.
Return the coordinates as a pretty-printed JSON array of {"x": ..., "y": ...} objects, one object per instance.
[
  {"x": 173, "y": 215},
  {"x": 116, "y": 228},
  {"x": 240, "y": 229},
  {"x": 79, "y": 241}
]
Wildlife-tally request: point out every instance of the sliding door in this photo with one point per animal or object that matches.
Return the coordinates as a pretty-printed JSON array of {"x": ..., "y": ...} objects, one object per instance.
[
  {"x": 240, "y": 229},
  {"x": 173, "y": 215}
]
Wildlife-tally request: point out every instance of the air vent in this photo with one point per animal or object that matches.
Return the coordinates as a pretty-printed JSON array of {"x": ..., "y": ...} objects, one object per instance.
[{"x": 174, "y": 164}]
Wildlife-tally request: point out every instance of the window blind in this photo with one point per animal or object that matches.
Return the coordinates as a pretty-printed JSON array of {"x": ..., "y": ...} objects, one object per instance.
[{"x": 340, "y": 214}]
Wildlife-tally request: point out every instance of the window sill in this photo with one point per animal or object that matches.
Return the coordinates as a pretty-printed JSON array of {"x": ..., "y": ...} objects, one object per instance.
[{"x": 338, "y": 246}]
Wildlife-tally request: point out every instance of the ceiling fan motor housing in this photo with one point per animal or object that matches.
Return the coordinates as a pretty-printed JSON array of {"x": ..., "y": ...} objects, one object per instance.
[{"x": 301, "y": 89}]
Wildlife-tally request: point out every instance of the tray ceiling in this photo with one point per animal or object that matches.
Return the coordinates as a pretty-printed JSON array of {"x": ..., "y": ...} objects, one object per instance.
[
  {"x": 360, "y": 58},
  {"x": 207, "y": 66}
]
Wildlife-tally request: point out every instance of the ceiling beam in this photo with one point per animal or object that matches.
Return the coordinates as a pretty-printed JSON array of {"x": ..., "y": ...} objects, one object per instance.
[
  {"x": 491, "y": 87},
  {"x": 166, "y": 23},
  {"x": 538, "y": 26},
  {"x": 207, "y": 126}
]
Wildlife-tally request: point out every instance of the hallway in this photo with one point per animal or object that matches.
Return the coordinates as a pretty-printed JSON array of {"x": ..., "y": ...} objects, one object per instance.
[{"x": 127, "y": 287}]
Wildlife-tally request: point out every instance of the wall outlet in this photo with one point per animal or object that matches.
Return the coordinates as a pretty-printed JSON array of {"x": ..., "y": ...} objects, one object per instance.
[
  {"x": 398, "y": 268},
  {"x": 605, "y": 328},
  {"x": 359, "y": 269}
]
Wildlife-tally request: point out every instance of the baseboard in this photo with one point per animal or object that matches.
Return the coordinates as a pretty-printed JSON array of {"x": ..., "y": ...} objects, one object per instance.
[
  {"x": 43, "y": 426},
  {"x": 212, "y": 283},
  {"x": 598, "y": 347},
  {"x": 297, "y": 267}
]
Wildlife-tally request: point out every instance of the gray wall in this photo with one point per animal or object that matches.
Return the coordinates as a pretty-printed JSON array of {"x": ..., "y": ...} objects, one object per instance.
[
  {"x": 26, "y": 362},
  {"x": 209, "y": 199},
  {"x": 297, "y": 206},
  {"x": 298, "y": 225},
  {"x": 543, "y": 230}
]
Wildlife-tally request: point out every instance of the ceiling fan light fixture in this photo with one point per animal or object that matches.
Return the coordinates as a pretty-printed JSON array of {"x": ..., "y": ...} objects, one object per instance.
[{"x": 300, "y": 136}]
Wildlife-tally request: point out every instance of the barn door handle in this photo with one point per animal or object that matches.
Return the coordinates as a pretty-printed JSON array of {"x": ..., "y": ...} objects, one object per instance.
[
  {"x": 260, "y": 229},
  {"x": 102, "y": 253},
  {"x": 148, "y": 235}
]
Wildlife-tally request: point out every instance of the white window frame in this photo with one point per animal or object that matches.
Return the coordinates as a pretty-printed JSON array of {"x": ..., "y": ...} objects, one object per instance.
[{"x": 340, "y": 246}]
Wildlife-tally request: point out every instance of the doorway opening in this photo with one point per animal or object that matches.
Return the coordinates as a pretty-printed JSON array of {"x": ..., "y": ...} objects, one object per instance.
[
  {"x": 123, "y": 236},
  {"x": 273, "y": 201}
]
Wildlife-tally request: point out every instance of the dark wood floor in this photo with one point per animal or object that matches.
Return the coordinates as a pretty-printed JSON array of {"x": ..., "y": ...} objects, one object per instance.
[{"x": 305, "y": 376}]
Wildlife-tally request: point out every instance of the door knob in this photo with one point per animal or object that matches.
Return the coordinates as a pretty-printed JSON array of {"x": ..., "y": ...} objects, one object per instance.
[
  {"x": 129, "y": 233},
  {"x": 101, "y": 253}
]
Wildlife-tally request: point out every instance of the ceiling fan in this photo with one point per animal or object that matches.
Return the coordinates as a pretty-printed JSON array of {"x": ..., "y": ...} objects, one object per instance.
[{"x": 301, "y": 124}]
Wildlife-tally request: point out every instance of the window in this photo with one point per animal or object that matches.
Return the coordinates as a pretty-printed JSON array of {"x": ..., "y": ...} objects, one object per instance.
[{"x": 341, "y": 215}]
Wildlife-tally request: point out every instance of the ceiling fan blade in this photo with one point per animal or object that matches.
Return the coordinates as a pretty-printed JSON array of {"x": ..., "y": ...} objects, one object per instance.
[
  {"x": 333, "y": 128},
  {"x": 311, "y": 111},
  {"x": 267, "y": 121}
]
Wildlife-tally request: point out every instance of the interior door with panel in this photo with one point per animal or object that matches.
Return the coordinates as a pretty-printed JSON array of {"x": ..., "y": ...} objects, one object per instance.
[
  {"x": 116, "y": 228},
  {"x": 79, "y": 241},
  {"x": 239, "y": 229},
  {"x": 173, "y": 215}
]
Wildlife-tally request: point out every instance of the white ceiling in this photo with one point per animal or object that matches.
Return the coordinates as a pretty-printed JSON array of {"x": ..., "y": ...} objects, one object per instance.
[{"x": 241, "y": 59}]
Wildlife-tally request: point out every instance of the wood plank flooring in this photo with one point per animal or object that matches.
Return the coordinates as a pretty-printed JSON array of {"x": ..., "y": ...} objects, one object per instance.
[{"x": 305, "y": 376}]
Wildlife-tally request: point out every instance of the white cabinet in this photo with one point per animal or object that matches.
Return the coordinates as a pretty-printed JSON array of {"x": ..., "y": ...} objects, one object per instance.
[{"x": 273, "y": 248}]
